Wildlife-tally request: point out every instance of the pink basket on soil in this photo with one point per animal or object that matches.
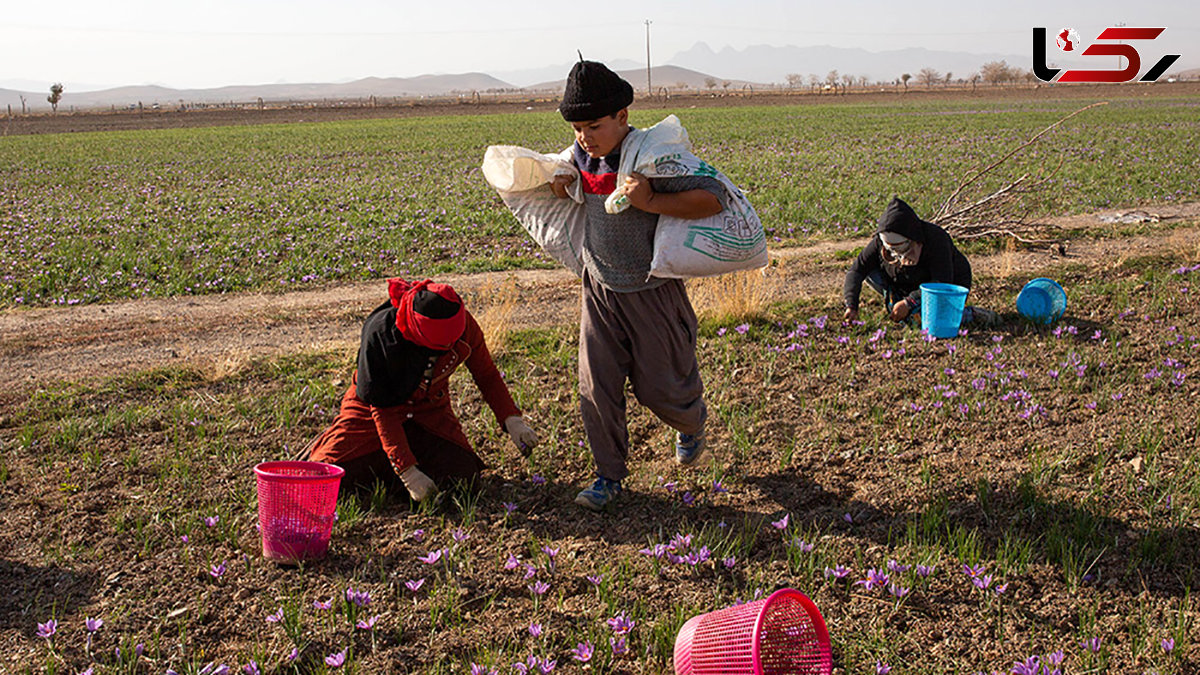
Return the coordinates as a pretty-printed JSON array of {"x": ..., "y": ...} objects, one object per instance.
[
  {"x": 296, "y": 506},
  {"x": 783, "y": 633}
]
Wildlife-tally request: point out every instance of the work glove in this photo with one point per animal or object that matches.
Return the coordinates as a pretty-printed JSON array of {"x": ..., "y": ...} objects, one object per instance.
[
  {"x": 420, "y": 487},
  {"x": 522, "y": 436}
]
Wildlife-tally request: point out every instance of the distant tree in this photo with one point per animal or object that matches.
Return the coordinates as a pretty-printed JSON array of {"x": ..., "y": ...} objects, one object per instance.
[
  {"x": 847, "y": 82},
  {"x": 56, "y": 93},
  {"x": 794, "y": 80},
  {"x": 831, "y": 78},
  {"x": 725, "y": 85},
  {"x": 995, "y": 72},
  {"x": 949, "y": 77},
  {"x": 862, "y": 80},
  {"x": 710, "y": 82},
  {"x": 813, "y": 80},
  {"x": 905, "y": 78},
  {"x": 22, "y": 105},
  {"x": 974, "y": 78},
  {"x": 928, "y": 77}
]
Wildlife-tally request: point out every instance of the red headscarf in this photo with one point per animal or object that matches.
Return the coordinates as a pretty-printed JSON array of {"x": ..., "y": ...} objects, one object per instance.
[{"x": 426, "y": 331}]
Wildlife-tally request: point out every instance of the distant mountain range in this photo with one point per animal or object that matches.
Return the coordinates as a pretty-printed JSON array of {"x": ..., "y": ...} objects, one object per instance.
[{"x": 697, "y": 68}]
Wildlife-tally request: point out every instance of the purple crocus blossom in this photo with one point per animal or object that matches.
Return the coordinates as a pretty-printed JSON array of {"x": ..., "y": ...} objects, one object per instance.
[
  {"x": 250, "y": 668},
  {"x": 875, "y": 579},
  {"x": 837, "y": 572},
  {"x": 539, "y": 587},
  {"x": 276, "y": 617},
  {"x": 896, "y": 567},
  {"x": 414, "y": 585},
  {"x": 1091, "y": 644},
  {"x": 547, "y": 666},
  {"x": 336, "y": 659},
  {"x": 595, "y": 579},
  {"x": 535, "y": 629},
  {"x": 459, "y": 535},
  {"x": 509, "y": 507},
  {"x": 418, "y": 535},
  {"x": 729, "y": 562},
  {"x": 367, "y": 624},
  {"x": 48, "y": 629},
  {"x": 317, "y": 604},
  {"x": 782, "y": 523},
  {"x": 93, "y": 625},
  {"x": 619, "y": 646},
  {"x": 1168, "y": 645},
  {"x": 924, "y": 571},
  {"x": 1029, "y": 666},
  {"x": 217, "y": 571},
  {"x": 212, "y": 521},
  {"x": 432, "y": 557},
  {"x": 477, "y": 669},
  {"x": 882, "y": 668},
  {"x": 621, "y": 624},
  {"x": 583, "y": 652},
  {"x": 294, "y": 654}
]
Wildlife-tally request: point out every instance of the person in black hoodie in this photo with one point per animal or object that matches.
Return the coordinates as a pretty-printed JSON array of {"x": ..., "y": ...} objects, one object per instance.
[{"x": 904, "y": 253}]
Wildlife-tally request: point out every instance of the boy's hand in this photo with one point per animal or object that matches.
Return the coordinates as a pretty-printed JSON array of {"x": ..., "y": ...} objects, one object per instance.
[
  {"x": 900, "y": 311},
  {"x": 850, "y": 315},
  {"x": 558, "y": 185},
  {"x": 637, "y": 189},
  {"x": 522, "y": 436}
]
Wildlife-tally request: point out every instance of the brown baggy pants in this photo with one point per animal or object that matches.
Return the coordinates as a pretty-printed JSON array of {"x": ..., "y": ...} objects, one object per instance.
[{"x": 649, "y": 338}]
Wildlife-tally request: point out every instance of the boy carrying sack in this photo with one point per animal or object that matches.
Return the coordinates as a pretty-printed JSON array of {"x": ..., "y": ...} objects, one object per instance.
[{"x": 595, "y": 210}]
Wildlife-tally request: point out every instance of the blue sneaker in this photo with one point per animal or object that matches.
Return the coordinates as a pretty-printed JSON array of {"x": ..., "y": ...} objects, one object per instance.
[
  {"x": 690, "y": 448},
  {"x": 602, "y": 493}
]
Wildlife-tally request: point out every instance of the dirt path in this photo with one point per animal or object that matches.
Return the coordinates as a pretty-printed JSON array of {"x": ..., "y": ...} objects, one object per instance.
[{"x": 78, "y": 343}]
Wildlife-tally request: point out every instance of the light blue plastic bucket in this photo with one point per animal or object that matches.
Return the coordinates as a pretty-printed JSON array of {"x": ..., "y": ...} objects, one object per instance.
[
  {"x": 942, "y": 308},
  {"x": 1042, "y": 300}
]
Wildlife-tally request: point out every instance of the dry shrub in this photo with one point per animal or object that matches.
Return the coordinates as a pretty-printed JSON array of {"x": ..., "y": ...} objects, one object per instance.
[
  {"x": 738, "y": 296},
  {"x": 1007, "y": 258},
  {"x": 493, "y": 305}
]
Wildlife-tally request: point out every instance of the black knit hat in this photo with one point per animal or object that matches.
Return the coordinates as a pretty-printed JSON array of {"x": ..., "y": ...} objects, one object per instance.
[{"x": 593, "y": 91}]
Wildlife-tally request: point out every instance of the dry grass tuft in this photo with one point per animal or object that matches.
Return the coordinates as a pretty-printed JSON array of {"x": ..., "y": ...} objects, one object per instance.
[
  {"x": 493, "y": 305},
  {"x": 739, "y": 296},
  {"x": 1008, "y": 258}
]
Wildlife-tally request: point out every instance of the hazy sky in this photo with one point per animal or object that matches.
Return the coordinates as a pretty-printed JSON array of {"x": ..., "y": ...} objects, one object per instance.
[{"x": 221, "y": 42}]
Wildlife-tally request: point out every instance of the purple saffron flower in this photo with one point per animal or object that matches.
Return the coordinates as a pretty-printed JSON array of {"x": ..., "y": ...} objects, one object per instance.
[
  {"x": 414, "y": 585},
  {"x": 432, "y": 557},
  {"x": 875, "y": 579},
  {"x": 804, "y": 546},
  {"x": 882, "y": 668},
  {"x": 48, "y": 629},
  {"x": 973, "y": 570},
  {"x": 550, "y": 552},
  {"x": 276, "y": 617},
  {"x": 509, "y": 507},
  {"x": 742, "y": 328},
  {"x": 294, "y": 654},
  {"x": 93, "y": 625},
  {"x": 782, "y": 523},
  {"x": 418, "y": 535},
  {"x": 250, "y": 668},
  {"x": 547, "y": 666},
  {"x": 530, "y": 571},
  {"x": 217, "y": 571},
  {"x": 1091, "y": 644},
  {"x": 336, "y": 659},
  {"x": 477, "y": 669},
  {"x": 212, "y": 521},
  {"x": 317, "y": 604},
  {"x": 512, "y": 563},
  {"x": 838, "y": 572},
  {"x": 539, "y": 587},
  {"x": 1168, "y": 645},
  {"x": 896, "y": 567},
  {"x": 729, "y": 562},
  {"x": 1001, "y": 588},
  {"x": 718, "y": 488},
  {"x": 583, "y": 652},
  {"x": 537, "y": 480},
  {"x": 535, "y": 629},
  {"x": 848, "y": 518},
  {"x": 459, "y": 536},
  {"x": 595, "y": 579},
  {"x": 1029, "y": 666},
  {"x": 1055, "y": 658},
  {"x": 621, "y": 624},
  {"x": 924, "y": 571},
  {"x": 368, "y": 624},
  {"x": 897, "y": 590},
  {"x": 619, "y": 647}
]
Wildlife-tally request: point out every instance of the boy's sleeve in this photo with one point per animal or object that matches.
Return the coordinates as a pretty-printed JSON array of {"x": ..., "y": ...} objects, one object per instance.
[
  {"x": 866, "y": 262},
  {"x": 685, "y": 183}
]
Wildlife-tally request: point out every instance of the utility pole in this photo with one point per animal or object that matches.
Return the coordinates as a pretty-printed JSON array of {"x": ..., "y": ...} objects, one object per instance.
[
  {"x": 1120, "y": 59},
  {"x": 649, "y": 90}
]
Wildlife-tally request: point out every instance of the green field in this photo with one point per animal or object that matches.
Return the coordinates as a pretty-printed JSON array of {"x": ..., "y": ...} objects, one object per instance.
[{"x": 101, "y": 216}]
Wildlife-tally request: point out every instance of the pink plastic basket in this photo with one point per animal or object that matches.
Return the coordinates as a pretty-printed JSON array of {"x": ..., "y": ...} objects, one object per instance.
[
  {"x": 783, "y": 633},
  {"x": 296, "y": 505}
]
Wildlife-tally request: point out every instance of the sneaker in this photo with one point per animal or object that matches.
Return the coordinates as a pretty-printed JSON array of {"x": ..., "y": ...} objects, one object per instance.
[
  {"x": 689, "y": 448},
  {"x": 984, "y": 317},
  {"x": 600, "y": 494}
]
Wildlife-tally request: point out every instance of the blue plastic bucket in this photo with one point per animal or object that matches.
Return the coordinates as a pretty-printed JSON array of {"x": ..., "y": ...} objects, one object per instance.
[
  {"x": 942, "y": 308},
  {"x": 1042, "y": 300}
]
